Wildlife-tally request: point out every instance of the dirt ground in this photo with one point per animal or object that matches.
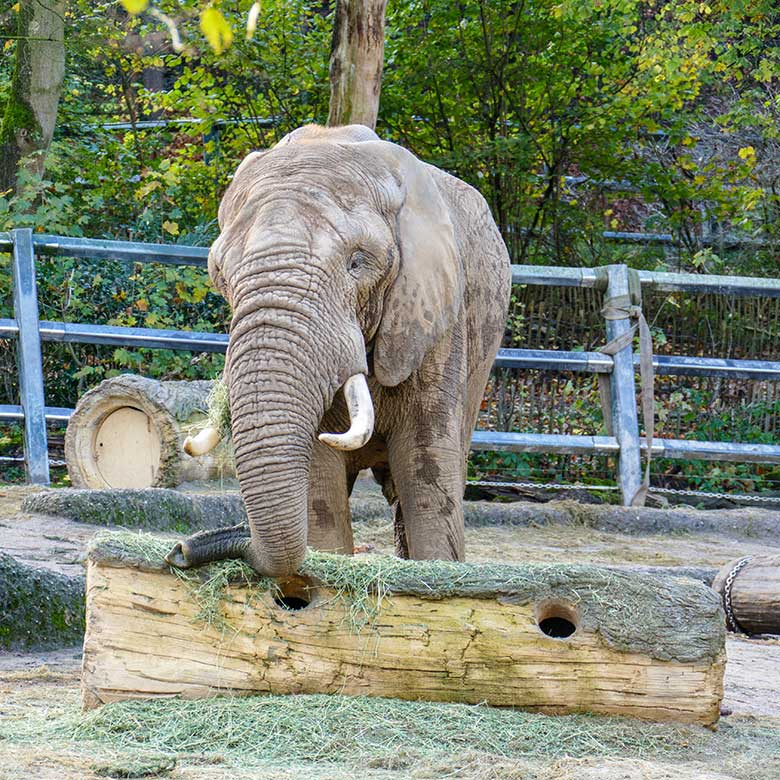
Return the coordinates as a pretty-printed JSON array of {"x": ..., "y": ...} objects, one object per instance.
[{"x": 41, "y": 689}]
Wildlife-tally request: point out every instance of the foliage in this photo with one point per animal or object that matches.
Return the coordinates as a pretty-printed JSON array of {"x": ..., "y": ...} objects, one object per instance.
[
  {"x": 570, "y": 117},
  {"x": 153, "y": 185},
  {"x": 535, "y": 104}
]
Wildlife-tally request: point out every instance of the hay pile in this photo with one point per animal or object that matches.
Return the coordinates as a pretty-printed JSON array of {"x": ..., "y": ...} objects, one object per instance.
[
  {"x": 667, "y": 619},
  {"x": 331, "y": 736},
  {"x": 218, "y": 402}
]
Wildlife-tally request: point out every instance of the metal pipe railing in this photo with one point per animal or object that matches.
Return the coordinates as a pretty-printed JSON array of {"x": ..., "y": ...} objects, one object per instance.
[{"x": 613, "y": 280}]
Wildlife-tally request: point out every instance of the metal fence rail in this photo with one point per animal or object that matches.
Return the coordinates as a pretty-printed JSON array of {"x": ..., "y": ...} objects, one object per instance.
[{"x": 613, "y": 280}]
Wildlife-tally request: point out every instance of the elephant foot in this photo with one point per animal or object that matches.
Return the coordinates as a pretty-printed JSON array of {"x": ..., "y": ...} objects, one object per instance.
[{"x": 206, "y": 546}]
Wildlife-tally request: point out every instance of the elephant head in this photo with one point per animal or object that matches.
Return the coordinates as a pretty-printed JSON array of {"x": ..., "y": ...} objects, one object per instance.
[{"x": 337, "y": 256}]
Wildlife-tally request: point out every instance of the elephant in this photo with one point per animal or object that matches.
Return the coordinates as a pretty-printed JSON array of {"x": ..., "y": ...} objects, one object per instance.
[{"x": 369, "y": 294}]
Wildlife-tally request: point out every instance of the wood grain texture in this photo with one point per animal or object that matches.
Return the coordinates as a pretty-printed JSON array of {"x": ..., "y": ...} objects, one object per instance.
[
  {"x": 143, "y": 641},
  {"x": 755, "y": 594}
]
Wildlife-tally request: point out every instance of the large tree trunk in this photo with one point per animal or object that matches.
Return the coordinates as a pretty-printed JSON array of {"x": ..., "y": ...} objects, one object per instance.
[
  {"x": 31, "y": 111},
  {"x": 555, "y": 639},
  {"x": 356, "y": 59}
]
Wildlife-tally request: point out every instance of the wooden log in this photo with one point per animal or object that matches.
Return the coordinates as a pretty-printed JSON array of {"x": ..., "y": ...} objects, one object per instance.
[
  {"x": 754, "y": 593},
  {"x": 128, "y": 433},
  {"x": 550, "y": 638}
]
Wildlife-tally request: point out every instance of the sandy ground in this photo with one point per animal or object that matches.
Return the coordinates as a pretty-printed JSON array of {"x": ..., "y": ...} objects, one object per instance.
[{"x": 37, "y": 684}]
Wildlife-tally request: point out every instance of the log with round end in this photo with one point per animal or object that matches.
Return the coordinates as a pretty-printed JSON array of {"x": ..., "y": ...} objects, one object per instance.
[
  {"x": 128, "y": 432},
  {"x": 754, "y": 593},
  {"x": 554, "y": 639}
]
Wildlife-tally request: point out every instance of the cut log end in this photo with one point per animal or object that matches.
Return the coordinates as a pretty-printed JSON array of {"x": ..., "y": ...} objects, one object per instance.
[{"x": 126, "y": 448}]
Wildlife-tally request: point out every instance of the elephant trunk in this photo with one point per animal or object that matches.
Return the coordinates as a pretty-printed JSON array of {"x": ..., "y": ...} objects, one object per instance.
[{"x": 280, "y": 385}]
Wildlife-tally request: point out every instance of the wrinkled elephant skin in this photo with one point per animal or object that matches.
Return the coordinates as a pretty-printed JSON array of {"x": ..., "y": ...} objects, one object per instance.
[{"x": 344, "y": 258}]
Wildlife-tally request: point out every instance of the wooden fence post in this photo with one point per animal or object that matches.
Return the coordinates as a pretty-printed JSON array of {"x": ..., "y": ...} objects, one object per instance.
[
  {"x": 625, "y": 425},
  {"x": 36, "y": 449}
]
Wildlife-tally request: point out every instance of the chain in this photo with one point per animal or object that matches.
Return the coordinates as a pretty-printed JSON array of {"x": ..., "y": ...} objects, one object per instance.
[
  {"x": 537, "y": 485},
  {"x": 668, "y": 491},
  {"x": 704, "y": 494},
  {"x": 731, "y": 621}
]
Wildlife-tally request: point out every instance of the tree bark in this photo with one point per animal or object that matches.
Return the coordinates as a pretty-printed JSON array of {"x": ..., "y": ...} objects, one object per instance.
[
  {"x": 31, "y": 111},
  {"x": 356, "y": 56}
]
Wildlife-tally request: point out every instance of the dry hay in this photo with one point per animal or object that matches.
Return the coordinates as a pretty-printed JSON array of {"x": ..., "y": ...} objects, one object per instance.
[
  {"x": 218, "y": 403},
  {"x": 357, "y": 736}
]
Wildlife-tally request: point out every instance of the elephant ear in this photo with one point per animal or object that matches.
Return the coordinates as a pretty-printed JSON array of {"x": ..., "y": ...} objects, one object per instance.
[{"x": 426, "y": 297}]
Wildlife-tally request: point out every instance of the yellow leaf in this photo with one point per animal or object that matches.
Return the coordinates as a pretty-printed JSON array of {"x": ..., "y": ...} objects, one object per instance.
[
  {"x": 145, "y": 189},
  {"x": 135, "y": 6},
  {"x": 613, "y": 223},
  {"x": 747, "y": 153},
  {"x": 216, "y": 29},
  {"x": 171, "y": 227},
  {"x": 142, "y": 304}
]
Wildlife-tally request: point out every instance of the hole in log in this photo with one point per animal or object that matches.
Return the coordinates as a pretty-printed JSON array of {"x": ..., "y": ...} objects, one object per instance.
[
  {"x": 294, "y": 593},
  {"x": 557, "y": 620}
]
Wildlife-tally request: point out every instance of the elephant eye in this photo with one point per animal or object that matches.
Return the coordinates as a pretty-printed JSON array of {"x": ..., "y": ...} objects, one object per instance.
[{"x": 356, "y": 261}]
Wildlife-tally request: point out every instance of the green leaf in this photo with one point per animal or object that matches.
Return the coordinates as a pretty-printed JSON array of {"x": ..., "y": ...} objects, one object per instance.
[{"x": 216, "y": 29}]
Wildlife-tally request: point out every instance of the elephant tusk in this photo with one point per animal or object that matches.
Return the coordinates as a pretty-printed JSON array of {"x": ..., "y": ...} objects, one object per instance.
[
  {"x": 361, "y": 415},
  {"x": 204, "y": 442}
]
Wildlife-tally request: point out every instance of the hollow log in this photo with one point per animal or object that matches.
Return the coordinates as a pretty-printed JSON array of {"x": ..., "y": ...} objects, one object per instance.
[
  {"x": 128, "y": 433},
  {"x": 754, "y": 593},
  {"x": 550, "y": 638}
]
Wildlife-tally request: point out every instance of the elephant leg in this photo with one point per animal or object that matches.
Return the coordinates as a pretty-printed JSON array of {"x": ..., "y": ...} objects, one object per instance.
[
  {"x": 213, "y": 545},
  {"x": 330, "y": 520},
  {"x": 428, "y": 476},
  {"x": 399, "y": 532},
  {"x": 385, "y": 479}
]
